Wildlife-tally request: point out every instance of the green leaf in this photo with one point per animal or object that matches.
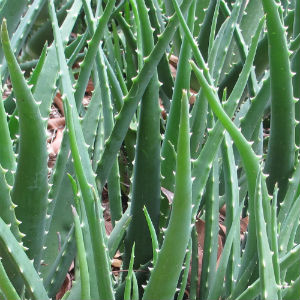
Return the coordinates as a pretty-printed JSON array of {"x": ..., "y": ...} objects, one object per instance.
[
  {"x": 171, "y": 256},
  {"x": 269, "y": 289},
  {"x": 83, "y": 267},
  {"x": 31, "y": 180},
  {"x": 19, "y": 258}
]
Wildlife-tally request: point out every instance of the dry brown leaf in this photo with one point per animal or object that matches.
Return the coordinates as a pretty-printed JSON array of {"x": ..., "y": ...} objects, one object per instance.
[
  {"x": 223, "y": 211},
  {"x": 59, "y": 103},
  {"x": 220, "y": 248},
  {"x": 243, "y": 227},
  {"x": 116, "y": 263},
  {"x": 65, "y": 287},
  {"x": 108, "y": 227},
  {"x": 200, "y": 227},
  {"x": 168, "y": 194},
  {"x": 90, "y": 87},
  {"x": 55, "y": 145},
  {"x": 56, "y": 123},
  {"x": 222, "y": 230},
  {"x": 173, "y": 61}
]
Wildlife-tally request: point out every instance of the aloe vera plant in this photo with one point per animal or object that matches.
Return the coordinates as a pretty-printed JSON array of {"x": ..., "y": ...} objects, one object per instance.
[{"x": 215, "y": 141}]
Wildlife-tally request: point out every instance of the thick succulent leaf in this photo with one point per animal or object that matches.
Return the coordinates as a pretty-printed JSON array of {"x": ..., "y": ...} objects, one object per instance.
[
  {"x": 30, "y": 187},
  {"x": 171, "y": 256},
  {"x": 182, "y": 81},
  {"x": 268, "y": 286},
  {"x": 281, "y": 148},
  {"x": 6, "y": 286},
  {"x": 7, "y": 212},
  {"x": 24, "y": 27},
  {"x": 133, "y": 97},
  {"x": 7, "y": 157},
  {"x": 146, "y": 172},
  {"x": 83, "y": 267},
  {"x": 84, "y": 172},
  {"x": 19, "y": 258}
]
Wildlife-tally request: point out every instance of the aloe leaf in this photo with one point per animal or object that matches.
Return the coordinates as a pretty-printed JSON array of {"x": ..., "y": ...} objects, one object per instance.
[
  {"x": 292, "y": 194},
  {"x": 250, "y": 160},
  {"x": 146, "y": 172},
  {"x": 275, "y": 241},
  {"x": 60, "y": 266},
  {"x": 24, "y": 28},
  {"x": 290, "y": 259},
  {"x": 2, "y": 4},
  {"x": 138, "y": 28},
  {"x": 172, "y": 253},
  {"x": 113, "y": 182},
  {"x": 130, "y": 54},
  {"x": 128, "y": 280},
  {"x": 118, "y": 233},
  {"x": 155, "y": 246},
  {"x": 46, "y": 84},
  {"x": 13, "y": 121},
  {"x": 98, "y": 142},
  {"x": 213, "y": 26},
  {"x": 93, "y": 116},
  {"x": 57, "y": 194},
  {"x": 292, "y": 292},
  {"x": 194, "y": 265},
  {"x": 76, "y": 52},
  {"x": 222, "y": 42},
  {"x": 30, "y": 187},
  {"x": 241, "y": 42},
  {"x": 163, "y": 69},
  {"x": 295, "y": 65},
  {"x": 256, "y": 110},
  {"x": 182, "y": 81},
  {"x": 197, "y": 54},
  {"x": 269, "y": 289},
  {"x": 114, "y": 177},
  {"x": 20, "y": 260},
  {"x": 217, "y": 283},
  {"x": 6, "y": 286},
  {"x": 7, "y": 207},
  {"x": 95, "y": 228},
  {"x": 84, "y": 272},
  {"x": 131, "y": 100},
  {"x": 38, "y": 68},
  {"x": 185, "y": 271},
  {"x": 207, "y": 154},
  {"x": 198, "y": 124},
  {"x": 286, "y": 228},
  {"x": 60, "y": 222},
  {"x": 87, "y": 64},
  {"x": 232, "y": 202},
  {"x": 176, "y": 40},
  {"x": 84, "y": 172},
  {"x": 59, "y": 179},
  {"x": 70, "y": 48},
  {"x": 14, "y": 9},
  {"x": 42, "y": 32},
  {"x": 135, "y": 288},
  {"x": 281, "y": 155},
  {"x": 117, "y": 49},
  {"x": 210, "y": 251},
  {"x": 204, "y": 35},
  {"x": 295, "y": 43},
  {"x": 7, "y": 156}
]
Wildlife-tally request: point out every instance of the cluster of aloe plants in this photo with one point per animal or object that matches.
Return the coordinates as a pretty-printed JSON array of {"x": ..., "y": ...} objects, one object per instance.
[{"x": 236, "y": 145}]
